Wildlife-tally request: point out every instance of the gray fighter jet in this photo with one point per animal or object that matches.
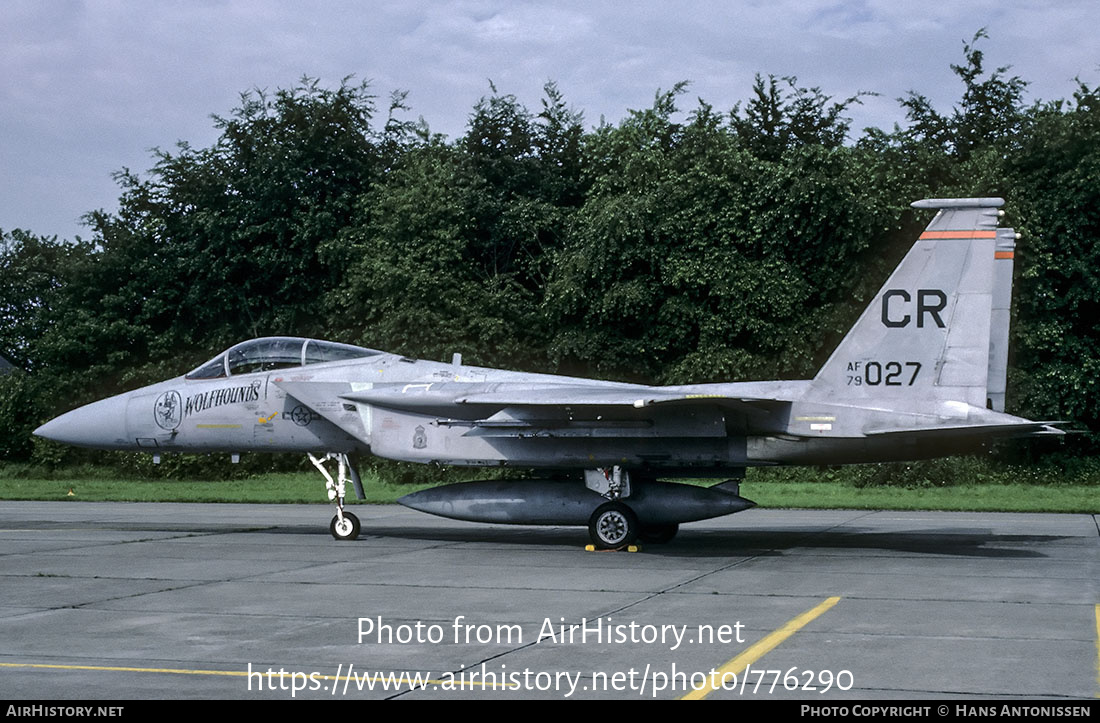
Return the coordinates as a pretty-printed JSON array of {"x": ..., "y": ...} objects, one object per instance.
[{"x": 921, "y": 374}]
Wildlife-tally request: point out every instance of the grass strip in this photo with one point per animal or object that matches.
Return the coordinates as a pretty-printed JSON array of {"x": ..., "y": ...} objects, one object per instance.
[{"x": 768, "y": 491}]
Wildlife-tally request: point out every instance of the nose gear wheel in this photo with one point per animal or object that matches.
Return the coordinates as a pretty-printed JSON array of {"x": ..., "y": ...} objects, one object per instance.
[{"x": 346, "y": 528}]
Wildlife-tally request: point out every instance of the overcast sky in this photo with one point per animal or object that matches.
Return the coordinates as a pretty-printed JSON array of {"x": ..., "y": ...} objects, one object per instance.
[{"x": 87, "y": 88}]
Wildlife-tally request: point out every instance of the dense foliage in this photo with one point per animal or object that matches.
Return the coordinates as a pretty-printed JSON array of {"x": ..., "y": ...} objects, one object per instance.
[{"x": 682, "y": 244}]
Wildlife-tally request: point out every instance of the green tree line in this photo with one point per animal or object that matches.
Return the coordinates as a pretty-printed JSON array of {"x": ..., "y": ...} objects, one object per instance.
[{"x": 682, "y": 244}]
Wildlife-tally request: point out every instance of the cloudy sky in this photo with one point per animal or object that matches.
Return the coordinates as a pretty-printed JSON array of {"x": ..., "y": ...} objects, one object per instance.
[{"x": 89, "y": 87}]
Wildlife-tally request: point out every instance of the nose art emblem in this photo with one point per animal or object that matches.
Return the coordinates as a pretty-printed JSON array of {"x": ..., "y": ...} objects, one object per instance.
[{"x": 168, "y": 410}]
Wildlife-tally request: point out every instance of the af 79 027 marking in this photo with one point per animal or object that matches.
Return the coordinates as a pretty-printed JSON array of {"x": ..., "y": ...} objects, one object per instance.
[{"x": 889, "y": 373}]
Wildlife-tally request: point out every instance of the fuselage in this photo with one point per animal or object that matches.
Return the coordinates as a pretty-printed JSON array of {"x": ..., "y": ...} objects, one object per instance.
[{"x": 253, "y": 411}]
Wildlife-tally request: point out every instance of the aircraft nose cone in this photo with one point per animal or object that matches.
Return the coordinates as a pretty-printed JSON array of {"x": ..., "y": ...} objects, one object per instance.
[{"x": 100, "y": 424}]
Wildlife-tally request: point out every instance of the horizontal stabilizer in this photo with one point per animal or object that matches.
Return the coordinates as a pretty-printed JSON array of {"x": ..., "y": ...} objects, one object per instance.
[{"x": 1019, "y": 429}]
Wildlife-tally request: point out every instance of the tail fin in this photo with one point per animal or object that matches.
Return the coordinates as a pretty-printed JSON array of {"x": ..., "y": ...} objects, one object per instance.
[
  {"x": 931, "y": 334},
  {"x": 1002, "y": 305}
]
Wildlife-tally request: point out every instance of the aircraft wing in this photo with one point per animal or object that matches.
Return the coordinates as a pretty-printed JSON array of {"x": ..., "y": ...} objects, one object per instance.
[
  {"x": 504, "y": 410},
  {"x": 582, "y": 396},
  {"x": 412, "y": 397},
  {"x": 600, "y": 410}
]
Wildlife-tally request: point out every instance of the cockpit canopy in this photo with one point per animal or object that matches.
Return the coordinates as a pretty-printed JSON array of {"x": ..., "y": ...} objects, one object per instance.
[{"x": 276, "y": 352}]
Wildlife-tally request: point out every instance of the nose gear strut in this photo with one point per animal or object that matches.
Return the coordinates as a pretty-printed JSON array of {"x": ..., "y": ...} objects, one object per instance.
[{"x": 344, "y": 525}]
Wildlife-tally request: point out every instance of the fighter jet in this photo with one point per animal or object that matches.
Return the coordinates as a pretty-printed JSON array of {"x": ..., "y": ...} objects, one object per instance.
[{"x": 920, "y": 375}]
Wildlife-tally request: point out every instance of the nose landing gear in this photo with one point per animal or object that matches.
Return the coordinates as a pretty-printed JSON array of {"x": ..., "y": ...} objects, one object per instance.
[{"x": 344, "y": 525}]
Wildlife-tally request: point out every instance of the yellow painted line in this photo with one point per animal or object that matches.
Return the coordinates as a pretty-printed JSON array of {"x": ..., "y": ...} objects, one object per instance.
[
  {"x": 119, "y": 669},
  {"x": 762, "y": 647},
  {"x": 217, "y": 426},
  {"x": 242, "y": 674}
]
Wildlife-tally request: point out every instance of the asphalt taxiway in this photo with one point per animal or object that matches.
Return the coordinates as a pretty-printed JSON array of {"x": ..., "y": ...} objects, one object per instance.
[{"x": 122, "y": 601}]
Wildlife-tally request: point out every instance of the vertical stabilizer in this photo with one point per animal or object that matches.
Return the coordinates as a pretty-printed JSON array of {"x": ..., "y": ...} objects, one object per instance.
[
  {"x": 1002, "y": 305},
  {"x": 926, "y": 336}
]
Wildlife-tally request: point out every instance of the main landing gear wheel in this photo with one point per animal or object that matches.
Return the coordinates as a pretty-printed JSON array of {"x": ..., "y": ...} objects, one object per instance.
[
  {"x": 345, "y": 529},
  {"x": 612, "y": 525},
  {"x": 658, "y": 534}
]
